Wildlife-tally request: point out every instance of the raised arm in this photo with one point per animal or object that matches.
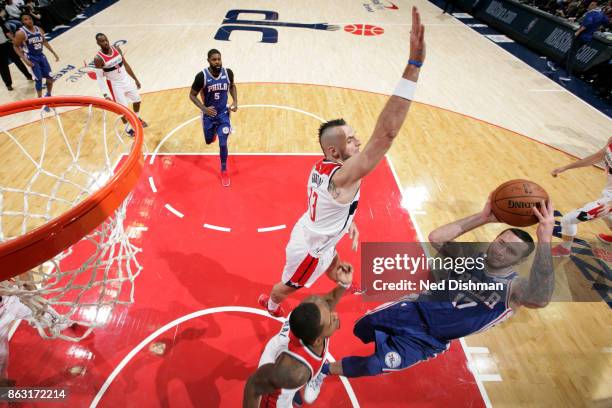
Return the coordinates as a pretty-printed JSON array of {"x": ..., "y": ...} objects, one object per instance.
[
  {"x": 587, "y": 161},
  {"x": 392, "y": 116},
  {"x": 286, "y": 373},
  {"x": 537, "y": 290},
  {"x": 449, "y": 232}
]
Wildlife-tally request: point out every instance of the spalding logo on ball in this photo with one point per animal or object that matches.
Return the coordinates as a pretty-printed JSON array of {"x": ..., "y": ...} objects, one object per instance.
[{"x": 512, "y": 202}]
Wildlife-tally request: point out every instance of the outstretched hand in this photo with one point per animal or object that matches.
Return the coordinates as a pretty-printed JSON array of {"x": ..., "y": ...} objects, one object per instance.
[
  {"x": 557, "y": 171},
  {"x": 546, "y": 220},
  {"x": 417, "y": 37}
]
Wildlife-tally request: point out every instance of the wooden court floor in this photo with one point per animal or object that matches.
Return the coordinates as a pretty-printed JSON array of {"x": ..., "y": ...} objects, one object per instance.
[{"x": 446, "y": 162}]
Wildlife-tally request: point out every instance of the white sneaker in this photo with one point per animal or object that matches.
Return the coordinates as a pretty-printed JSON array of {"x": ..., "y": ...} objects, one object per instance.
[{"x": 313, "y": 388}]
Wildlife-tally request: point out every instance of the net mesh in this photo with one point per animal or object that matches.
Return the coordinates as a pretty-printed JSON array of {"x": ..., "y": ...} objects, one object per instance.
[{"x": 48, "y": 172}]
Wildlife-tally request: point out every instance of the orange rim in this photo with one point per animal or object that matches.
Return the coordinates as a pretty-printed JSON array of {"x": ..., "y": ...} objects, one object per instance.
[{"x": 21, "y": 254}]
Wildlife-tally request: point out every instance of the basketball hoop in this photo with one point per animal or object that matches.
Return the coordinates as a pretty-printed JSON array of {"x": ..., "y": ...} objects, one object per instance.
[{"x": 64, "y": 249}]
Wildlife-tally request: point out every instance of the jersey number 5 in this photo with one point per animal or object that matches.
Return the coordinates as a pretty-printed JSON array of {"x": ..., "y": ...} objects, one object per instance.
[
  {"x": 217, "y": 96},
  {"x": 312, "y": 204}
]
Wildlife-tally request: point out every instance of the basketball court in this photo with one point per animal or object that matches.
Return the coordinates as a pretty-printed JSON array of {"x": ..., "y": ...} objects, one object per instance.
[{"x": 194, "y": 332}]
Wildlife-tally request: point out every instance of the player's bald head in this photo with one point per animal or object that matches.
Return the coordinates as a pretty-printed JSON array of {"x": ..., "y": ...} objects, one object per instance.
[{"x": 331, "y": 134}]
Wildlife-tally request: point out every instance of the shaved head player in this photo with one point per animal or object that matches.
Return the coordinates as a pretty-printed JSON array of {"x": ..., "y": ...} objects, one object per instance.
[{"x": 334, "y": 183}]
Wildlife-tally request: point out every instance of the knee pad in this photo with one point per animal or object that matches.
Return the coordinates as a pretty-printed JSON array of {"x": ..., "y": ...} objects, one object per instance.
[{"x": 38, "y": 84}]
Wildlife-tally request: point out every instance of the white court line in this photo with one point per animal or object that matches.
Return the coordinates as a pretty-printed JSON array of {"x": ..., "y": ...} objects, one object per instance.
[
  {"x": 268, "y": 229},
  {"x": 488, "y": 377},
  {"x": 468, "y": 356},
  {"x": 215, "y": 227},
  {"x": 182, "y": 125},
  {"x": 471, "y": 365},
  {"x": 152, "y": 184},
  {"x": 477, "y": 350},
  {"x": 14, "y": 328},
  {"x": 289, "y": 108},
  {"x": 514, "y": 57},
  {"x": 174, "y": 323},
  {"x": 548, "y": 90},
  {"x": 174, "y": 211},
  {"x": 169, "y": 135},
  {"x": 138, "y": 228},
  {"x": 607, "y": 349}
]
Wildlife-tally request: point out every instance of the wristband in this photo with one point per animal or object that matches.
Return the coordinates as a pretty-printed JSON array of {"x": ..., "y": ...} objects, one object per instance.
[
  {"x": 344, "y": 285},
  {"x": 405, "y": 89},
  {"x": 416, "y": 63}
]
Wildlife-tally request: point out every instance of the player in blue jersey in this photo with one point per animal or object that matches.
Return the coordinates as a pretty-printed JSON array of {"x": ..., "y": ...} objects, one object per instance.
[
  {"x": 213, "y": 84},
  {"x": 31, "y": 39},
  {"x": 421, "y": 326}
]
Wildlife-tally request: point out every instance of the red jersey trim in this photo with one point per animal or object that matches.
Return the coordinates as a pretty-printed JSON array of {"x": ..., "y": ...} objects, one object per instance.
[
  {"x": 107, "y": 58},
  {"x": 326, "y": 167}
]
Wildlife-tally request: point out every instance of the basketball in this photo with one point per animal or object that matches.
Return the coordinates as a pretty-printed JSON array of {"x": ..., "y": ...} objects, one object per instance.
[{"x": 512, "y": 202}]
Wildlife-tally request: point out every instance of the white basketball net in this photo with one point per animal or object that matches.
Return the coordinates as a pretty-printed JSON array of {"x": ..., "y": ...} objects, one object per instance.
[{"x": 84, "y": 283}]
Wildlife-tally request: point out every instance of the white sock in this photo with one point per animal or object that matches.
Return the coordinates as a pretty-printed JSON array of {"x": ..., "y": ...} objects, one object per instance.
[{"x": 272, "y": 306}]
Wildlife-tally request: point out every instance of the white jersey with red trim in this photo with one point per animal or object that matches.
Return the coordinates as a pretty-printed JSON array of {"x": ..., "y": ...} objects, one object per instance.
[
  {"x": 113, "y": 68},
  {"x": 326, "y": 220},
  {"x": 608, "y": 160},
  {"x": 286, "y": 342}
]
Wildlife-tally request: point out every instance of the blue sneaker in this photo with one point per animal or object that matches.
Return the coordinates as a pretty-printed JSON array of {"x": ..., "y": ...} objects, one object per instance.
[{"x": 46, "y": 108}]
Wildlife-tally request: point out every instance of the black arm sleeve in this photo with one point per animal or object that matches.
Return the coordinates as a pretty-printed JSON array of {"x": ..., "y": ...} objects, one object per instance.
[
  {"x": 230, "y": 74},
  {"x": 198, "y": 82}
]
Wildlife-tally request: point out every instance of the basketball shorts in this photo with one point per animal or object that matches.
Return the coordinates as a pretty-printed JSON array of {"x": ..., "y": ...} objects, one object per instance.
[
  {"x": 301, "y": 268},
  {"x": 219, "y": 125},
  {"x": 41, "y": 68},
  {"x": 400, "y": 335},
  {"x": 124, "y": 92}
]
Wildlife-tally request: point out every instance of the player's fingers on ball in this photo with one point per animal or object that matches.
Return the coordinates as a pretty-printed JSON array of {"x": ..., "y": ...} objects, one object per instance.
[
  {"x": 537, "y": 213},
  {"x": 544, "y": 208}
]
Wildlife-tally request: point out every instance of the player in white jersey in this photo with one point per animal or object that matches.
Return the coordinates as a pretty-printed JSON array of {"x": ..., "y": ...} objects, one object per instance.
[
  {"x": 600, "y": 208},
  {"x": 116, "y": 78},
  {"x": 297, "y": 353},
  {"x": 333, "y": 188}
]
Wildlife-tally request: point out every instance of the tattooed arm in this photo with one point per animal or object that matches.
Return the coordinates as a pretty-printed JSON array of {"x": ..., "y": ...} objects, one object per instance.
[{"x": 537, "y": 290}]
